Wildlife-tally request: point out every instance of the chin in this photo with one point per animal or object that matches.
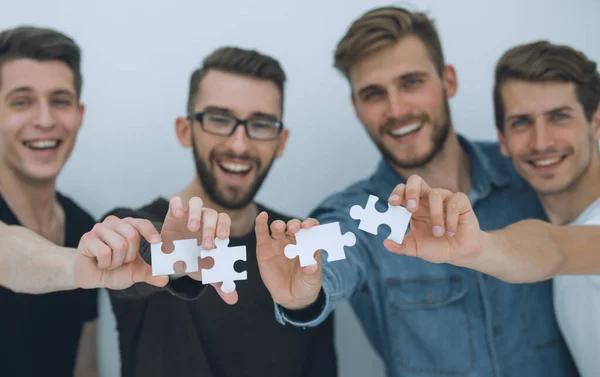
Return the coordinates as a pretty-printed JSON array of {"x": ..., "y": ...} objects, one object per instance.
[
  {"x": 551, "y": 188},
  {"x": 43, "y": 175}
]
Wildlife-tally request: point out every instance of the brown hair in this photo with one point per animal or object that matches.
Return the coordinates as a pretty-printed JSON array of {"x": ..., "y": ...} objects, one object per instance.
[
  {"x": 542, "y": 61},
  {"x": 41, "y": 44},
  {"x": 249, "y": 63},
  {"x": 382, "y": 27}
]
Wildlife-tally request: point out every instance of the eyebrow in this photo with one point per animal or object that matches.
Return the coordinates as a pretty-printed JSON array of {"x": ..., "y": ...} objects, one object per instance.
[
  {"x": 549, "y": 112},
  {"x": 558, "y": 110},
  {"x": 20, "y": 89},
  {"x": 516, "y": 116},
  {"x": 27, "y": 89},
  {"x": 405, "y": 76},
  {"x": 256, "y": 114},
  {"x": 217, "y": 109},
  {"x": 259, "y": 114}
]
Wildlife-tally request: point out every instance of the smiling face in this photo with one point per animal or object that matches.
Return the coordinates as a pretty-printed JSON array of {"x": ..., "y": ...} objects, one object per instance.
[
  {"x": 232, "y": 168},
  {"x": 402, "y": 101},
  {"x": 546, "y": 133},
  {"x": 40, "y": 116}
]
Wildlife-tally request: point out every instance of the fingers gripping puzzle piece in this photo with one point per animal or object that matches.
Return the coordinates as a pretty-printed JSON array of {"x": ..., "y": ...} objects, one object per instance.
[
  {"x": 186, "y": 251},
  {"x": 326, "y": 237},
  {"x": 223, "y": 271},
  {"x": 396, "y": 217}
]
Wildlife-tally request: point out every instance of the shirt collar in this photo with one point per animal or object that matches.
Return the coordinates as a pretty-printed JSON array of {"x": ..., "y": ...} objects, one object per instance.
[{"x": 485, "y": 172}]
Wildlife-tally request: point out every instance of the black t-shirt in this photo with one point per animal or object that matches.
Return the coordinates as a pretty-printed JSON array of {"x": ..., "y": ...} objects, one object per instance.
[
  {"x": 39, "y": 334},
  {"x": 186, "y": 330}
]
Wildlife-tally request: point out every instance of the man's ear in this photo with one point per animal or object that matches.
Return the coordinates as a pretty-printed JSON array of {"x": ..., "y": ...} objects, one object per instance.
[
  {"x": 502, "y": 142},
  {"x": 283, "y": 138},
  {"x": 450, "y": 80},
  {"x": 183, "y": 130},
  {"x": 596, "y": 124},
  {"x": 81, "y": 111}
]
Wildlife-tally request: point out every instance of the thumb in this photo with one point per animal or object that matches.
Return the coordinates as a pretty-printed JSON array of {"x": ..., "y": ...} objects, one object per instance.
[
  {"x": 229, "y": 298},
  {"x": 310, "y": 277},
  {"x": 142, "y": 272},
  {"x": 407, "y": 247}
]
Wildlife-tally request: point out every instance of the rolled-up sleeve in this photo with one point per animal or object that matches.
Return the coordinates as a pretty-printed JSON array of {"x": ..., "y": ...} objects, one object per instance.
[{"x": 340, "y": 278}]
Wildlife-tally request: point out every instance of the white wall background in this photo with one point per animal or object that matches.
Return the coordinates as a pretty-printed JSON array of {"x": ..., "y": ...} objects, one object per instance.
[{"x": 138, "y": 56}]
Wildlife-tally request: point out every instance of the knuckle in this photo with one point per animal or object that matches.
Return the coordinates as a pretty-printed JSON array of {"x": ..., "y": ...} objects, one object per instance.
[
  {"x": 436, "y": 192},
  {"x": 131, "y": 235},
  {"x": 209, "y": 228},
  {"x": 461, "y": 197},
  {"x": 103, "y": 251},
  {"x": 98, "y": 228},
  {"x": 121, "y": 245},
  {"x": 111, "y": 219}
]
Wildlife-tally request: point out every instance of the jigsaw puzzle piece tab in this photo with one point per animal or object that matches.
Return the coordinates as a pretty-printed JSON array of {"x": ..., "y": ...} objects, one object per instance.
[
  {"x": 224, "y": 258},
  {"x": 396, "y": 217},
  {"x": 186, "y": 251},
  {"x": 326, "y": 237}
]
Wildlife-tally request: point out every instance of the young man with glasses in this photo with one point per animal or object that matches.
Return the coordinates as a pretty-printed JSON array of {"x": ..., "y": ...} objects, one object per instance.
[{"x": 234, "y": 129}]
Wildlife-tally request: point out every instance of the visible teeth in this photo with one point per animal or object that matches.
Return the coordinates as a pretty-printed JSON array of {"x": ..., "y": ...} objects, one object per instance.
[
  {"x": 42, "y": 144},
  {"x": 405, "y": 130},
  {"x": 546, "y": 162},
  {"x": 236, "y": 168}
]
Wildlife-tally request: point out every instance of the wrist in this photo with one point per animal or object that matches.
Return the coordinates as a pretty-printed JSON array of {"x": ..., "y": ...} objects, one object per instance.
[
  {"x": 301, "y": 304},
  {"x": 72, "y": 267},
  {"x": 308, "y": 311},
  {"x": 476, "y": 257}
]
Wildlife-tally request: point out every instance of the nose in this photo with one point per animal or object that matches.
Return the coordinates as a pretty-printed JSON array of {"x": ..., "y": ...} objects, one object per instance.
[
  {"x": 45, "y": 117},
  {"x": 238, "y": 141},
  {"x": 396, "y": 105},
  {"x": 542, "y": 139}
]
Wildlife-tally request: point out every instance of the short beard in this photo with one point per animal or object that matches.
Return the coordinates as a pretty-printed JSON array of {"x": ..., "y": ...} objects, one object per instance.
[
  {"x": 577, "y": 177},
  {"x": 439, "y": 139},
  {"x": 209, "y": 183}
]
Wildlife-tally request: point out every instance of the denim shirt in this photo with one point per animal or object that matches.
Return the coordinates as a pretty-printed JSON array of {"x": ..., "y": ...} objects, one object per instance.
[{"x": 432, "y": 320}]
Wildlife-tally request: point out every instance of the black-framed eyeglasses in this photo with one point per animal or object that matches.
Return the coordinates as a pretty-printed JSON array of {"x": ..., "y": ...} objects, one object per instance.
[{"x": 225, "y": 125}]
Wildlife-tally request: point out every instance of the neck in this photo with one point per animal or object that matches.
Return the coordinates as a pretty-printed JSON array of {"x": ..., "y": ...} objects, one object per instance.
[
  {"x": 564, "y": 207},
  {"x": 242, "y": 220},
  {"x": 450, "y": 169},
  {"x": 33, "y": 203}
]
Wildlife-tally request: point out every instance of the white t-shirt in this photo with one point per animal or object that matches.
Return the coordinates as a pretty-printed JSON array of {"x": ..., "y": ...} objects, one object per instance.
[{"x": 577, "y": 306}]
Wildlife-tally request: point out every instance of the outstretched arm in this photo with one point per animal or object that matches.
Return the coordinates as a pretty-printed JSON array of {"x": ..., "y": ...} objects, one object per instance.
[
  {"x": 533, "y": 250},
  {"x": 444, "y": 229},
  {"x": 29, "y": 263},
  {"x": 106, "y": 257}
]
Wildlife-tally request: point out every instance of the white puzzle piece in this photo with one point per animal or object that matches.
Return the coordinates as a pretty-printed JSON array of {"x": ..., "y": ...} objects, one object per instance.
[
  {"x": 186, "y": 251},
  {"x": 396, "y": 217},
  {"x": 326, "y": 237},
  {"x": 223, "y": 271}
]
